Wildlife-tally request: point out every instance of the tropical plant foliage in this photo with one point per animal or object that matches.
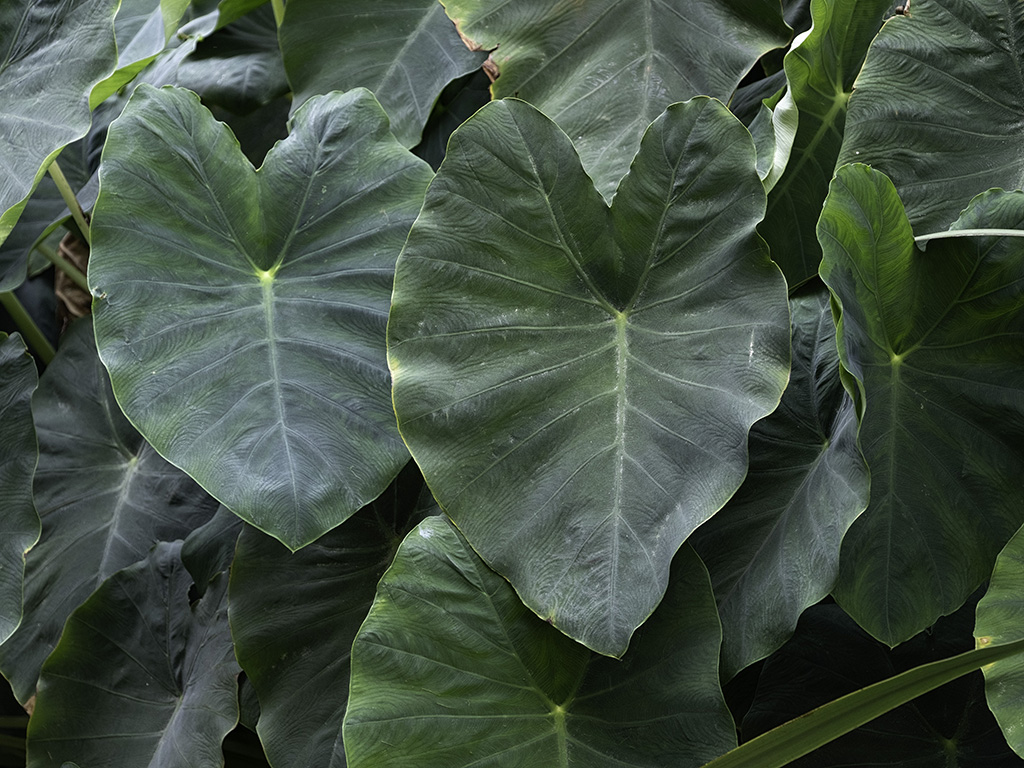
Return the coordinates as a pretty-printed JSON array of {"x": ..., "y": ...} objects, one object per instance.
[{"x": 470, "y": 383}]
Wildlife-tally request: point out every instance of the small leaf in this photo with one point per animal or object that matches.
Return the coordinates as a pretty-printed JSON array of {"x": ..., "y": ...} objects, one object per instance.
[
  {"x": 450, "y": 668},
  {"x": 242, "y": 313}
]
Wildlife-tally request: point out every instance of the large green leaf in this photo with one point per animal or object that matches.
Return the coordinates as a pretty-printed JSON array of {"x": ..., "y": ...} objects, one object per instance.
[
  {"x": 241, "y": 314},
  {"x": 935, "y": 340},
  {"x": 605, "y": 69},
  {"x": 405, "y": 51},
  {"x": 104, "y": 497},
  {"x": 773, "y": 550},
  {"x": 451, "y": 670},
  {"x": 293, "y": 617},
  {"x": 52, "y": 54},
  {"x": 820, "y": 71},
  {"x": 938, "y": 106},
  {"x": 577, "y": 383},
  {"x": 140, "y": 677},
  {"x": 1000, "y": 621},
  {"x": 19, "y": 524}
]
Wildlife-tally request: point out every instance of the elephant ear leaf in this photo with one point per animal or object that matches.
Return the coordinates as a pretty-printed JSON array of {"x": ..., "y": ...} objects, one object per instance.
[
  {"x": 934, "y": 340},
  {"x": 577, "y": 382},
  {"x": 241, "y": 314}
]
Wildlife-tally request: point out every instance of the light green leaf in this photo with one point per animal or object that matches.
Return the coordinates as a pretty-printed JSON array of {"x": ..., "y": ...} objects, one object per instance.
[
  {"x": 19, "y": 524},
  {"x": 773, "y": 550},
  {"x": 774, "y": 130},
  {"x": 936, "y": 342},
  {"x": 1001, "y": 621},
  {"x": 405, "y": 51},
  {"x": 577, "y": 383},
  {"x": 820, "y": 69},
  {"x": 450, "y": 669},
  {"x": 242, "y": 314},
  {"x": 54, "y": 52},
  {"x": 604, "y": 70},
  {"x": 943, "y": 127},
  {"x": 140, "y": 677},
  {"x": 104, "y": 497},
  {"x": 294, "y": 615}
]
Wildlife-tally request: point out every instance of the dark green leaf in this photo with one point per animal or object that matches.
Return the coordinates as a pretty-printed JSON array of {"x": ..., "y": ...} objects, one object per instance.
[
  {"x": 293, "y": 617},
  {"x": 450, "y": 669},
  {"x": 242, "y": 314},
  {"x": 820, "y": 70},
  {"x": 19, "y": 524},
  {"x": 773, "y": 550},
  {"x": 140, "y": 677},
  {"x": 577, "y": 383},
  {"x": 604, "y": 70},
  {"x": 104, "y": 497},
  {"x": 405, "y": 51},
  {"x": 935, "y": 340},
  {"x": 53, "y": 53},
  {"x": 938, "y": 106}
]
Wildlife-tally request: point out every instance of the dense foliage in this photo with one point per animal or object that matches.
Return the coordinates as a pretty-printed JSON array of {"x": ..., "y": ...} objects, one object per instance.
[{"x": 468, "y": 383}]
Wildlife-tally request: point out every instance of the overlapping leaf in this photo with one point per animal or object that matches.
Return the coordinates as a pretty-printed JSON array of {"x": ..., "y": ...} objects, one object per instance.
[
  {"x": 605, "y": 70},
  {"x": 1001, "y": 620},
  {"x": 820, "y": 71},
  {"x": 140, "y": 677},
  {"x": 19, "y": 524},
  {"x": 938, "y": 106},
  {"x": 293, "y": 617},
  {"x": 242, "y": 314},
  {"x": 935, "y": 340},
  {"x": 773, "y": 550},
  {"x": 450, "y": 668},
  {"x": 577, "y": 383},
  {"x": 104, "y": 497},
  {"x": 405, "y": 51},
  {"x": 53, "y": 53}
]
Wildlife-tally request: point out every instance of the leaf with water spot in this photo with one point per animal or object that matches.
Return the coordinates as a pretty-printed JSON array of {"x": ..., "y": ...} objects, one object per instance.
[{"x": 577, "y": 382}]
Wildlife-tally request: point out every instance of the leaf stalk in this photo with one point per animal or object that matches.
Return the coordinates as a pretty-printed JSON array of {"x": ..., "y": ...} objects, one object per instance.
[
  {"x": 35, "y": 338},
  {"x": 70, "y": 200}
]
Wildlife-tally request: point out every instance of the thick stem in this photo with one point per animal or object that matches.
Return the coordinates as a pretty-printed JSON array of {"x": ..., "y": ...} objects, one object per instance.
[
  {"x": 74, "y": 273},
  {"x": 278, "y": 6},
  {"x": 28, "y": 327},
  {"x": 70, "y": 200}
]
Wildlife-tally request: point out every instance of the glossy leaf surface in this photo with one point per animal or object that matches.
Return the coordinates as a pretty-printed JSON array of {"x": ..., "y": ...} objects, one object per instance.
[
  {"x": 294, "y": 615},
  {"x": 104, "y": 496},
  {"x": 773, "y": 550},
  {"x": 450, "y": 669},
  {"x": 53, "y": 53},
  {"x": 577, "y": 383},
  {"x": 820, "y": 71},
  {"x": 405, "y": 51},
  {"x": 605, "y": 70},
  {"x": 1001, "y": 621},
  {"x": 943, "y": 128},
  {"x": 19, "y": 523},
  {"x": 242, "y": 314},
  {"x": 935, "y": 340},
  {"x": 140, "y": 677}
]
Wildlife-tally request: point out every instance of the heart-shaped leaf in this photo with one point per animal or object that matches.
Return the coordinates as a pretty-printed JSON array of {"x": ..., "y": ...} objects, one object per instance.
[
  {"x": 405, "y": 51},
  {"x": 293, "y": 617},
  {"x": 450, "y": 668},
  {"x": 104, "y": 495},
  {"x": 140, "y": 677},
  {"x": 773, "y": 550},
  {"x": 577, "y": 383},
  {"x": 934, "y": 339},
  {"x": 1001, "y": 620},
  {"x": 241, "y": 314},
  {"x": 603, "y": 70},
  {"x": 943, "y": 127},
  {"x": 19, "y": 524},
  {"x": 55, "y": 51}
]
